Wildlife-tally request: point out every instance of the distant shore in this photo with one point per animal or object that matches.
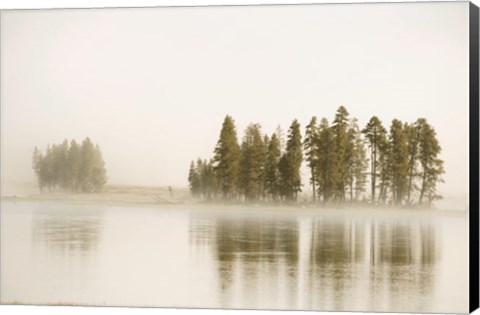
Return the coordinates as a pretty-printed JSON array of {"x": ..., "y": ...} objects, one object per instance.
[{"x": 180, "y": 198}]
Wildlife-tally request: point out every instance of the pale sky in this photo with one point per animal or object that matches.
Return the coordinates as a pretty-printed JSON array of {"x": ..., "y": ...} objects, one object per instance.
[{"x": 151, "y": 86}]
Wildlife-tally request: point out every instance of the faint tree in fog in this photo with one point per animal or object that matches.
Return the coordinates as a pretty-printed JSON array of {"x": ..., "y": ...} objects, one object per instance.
[
  {"x": 194, "y": 180},
  {"x": 37, "y": 161},
  {"x": 208, "y": 179},
  {"x": 68, "y": 167},
  {"x": 74, "y": 162}
]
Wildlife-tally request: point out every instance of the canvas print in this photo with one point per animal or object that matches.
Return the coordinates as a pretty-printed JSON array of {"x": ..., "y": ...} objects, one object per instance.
[{"x": 293, "y": 157}]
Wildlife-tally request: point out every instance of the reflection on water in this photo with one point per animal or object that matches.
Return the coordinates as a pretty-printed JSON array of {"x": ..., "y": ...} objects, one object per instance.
[
  {"x": 66, "y": 254},
  {"x": 323, "y": 263},
  {"x": 71, "y": 234}
]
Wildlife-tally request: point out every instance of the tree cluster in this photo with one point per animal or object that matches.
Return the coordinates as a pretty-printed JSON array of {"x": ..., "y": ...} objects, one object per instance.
[
  {"x": 70, "y": 166},
  {"x": 255, "y": 169},
  {"x": 401, "y": 166}
]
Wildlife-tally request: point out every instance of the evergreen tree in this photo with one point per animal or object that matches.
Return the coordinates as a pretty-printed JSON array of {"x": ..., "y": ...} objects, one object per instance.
[
  {"x": 74, "y": 163},
  {"x": 281, "y": 138},
  {"x": 340, "y": 130},
  {"x": 194, "y": 180},
  {"x": 398, "y": 161},
  {"x": 37, "y": 160},
  {"x": 431, "y": 166},
  {"x": 226, "y": 159},
  {"x": 360, "y": 165},
  {"x": 210, "y": 180},
  {"x": 412, "y": 134},
  {"x": 290, "y": 163},
  {"x": 252, "y": 161},
  {"x": 62, "y": 165},
  {"x": 383, "y": 168},
  {"x": 99, "y": 173},
  {"x": 310, "y": 146},
  {"x": 86, "y": 165},
  {"x": 326, "y": 161},
  {"x": 70, "y": 167},
  {"x": 272, "y": 167},
  {"x": 356, "y": 162},
  {"x": 48, "y": 169},
  {"x": 263, "y": 181},
  {"x": 375, "y": 135}
]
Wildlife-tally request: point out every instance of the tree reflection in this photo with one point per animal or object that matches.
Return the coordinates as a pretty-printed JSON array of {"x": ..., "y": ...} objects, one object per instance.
[
  {"x": 331, "y": 263},
  {"x": 66, "y": 233}
]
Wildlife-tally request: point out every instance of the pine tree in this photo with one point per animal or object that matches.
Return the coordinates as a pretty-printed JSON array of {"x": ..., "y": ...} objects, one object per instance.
[
  {"x": 62, "y": 165},
  {"x": 74, "y": 163},
  {"x": 356, "y": 161},
  {"x": 431, "y": 166},
  {"x": 340, "y": 128},
  {"x": 272, "y": 167},
  {"x": 200, "y": 170},
  {"x": 194, "y": 180},
  {"x": 252, "y": 161},
  {"x": 69, "y": 167},
  {"x": 412, "y": 134},
  {"x": 290, "y": 163},
  {"x": 310, "y": 146},
  {"x": 398, "y": 161},
  {"x": 86, "y": 165},
  {"x": 263, "y": 180},
  {"x": 210, "y": 180},
  {"x": 360, "y": 165},
  {"x": 383, "y": 167},
  {"x": 326, "y": 161},
  {"x": 48, "y": 168},
  {"x": 37, "y": 160},
  {"x": 99, "y": 173},
  {"x": 281, "y": 138},
  {"x": 375, "y": 135},
  {"x": 226, "y": 159}
]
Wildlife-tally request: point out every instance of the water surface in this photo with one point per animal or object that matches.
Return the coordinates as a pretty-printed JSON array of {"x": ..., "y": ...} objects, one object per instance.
[{"x": 59, "y": 253}]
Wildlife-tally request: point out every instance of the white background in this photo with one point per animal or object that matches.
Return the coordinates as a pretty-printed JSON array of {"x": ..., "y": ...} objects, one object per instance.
[{"x": 18, "y": 4}]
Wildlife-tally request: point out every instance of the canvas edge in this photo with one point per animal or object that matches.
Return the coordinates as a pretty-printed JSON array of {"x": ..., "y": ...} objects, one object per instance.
[{"x": 474, "y": 158}]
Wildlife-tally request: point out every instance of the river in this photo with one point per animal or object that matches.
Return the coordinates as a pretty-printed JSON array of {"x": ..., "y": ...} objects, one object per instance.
[{"x": 65, "y": 253}]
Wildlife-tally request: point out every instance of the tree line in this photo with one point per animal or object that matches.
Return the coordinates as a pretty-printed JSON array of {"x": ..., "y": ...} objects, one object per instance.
[
  {"x": 70, "y": 166},
  {"x": 401, "y": 166}
]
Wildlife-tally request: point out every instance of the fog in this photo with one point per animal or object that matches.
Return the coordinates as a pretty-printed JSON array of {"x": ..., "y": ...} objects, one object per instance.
[{"x": 152, "y": 86}]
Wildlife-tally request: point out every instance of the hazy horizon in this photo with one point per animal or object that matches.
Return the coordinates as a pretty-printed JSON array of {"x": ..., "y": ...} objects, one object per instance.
[{"x": 152, "y": 86}]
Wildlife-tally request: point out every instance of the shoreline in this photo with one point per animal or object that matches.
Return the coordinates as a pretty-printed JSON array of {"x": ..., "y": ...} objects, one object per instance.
[{"x": 130, "y": 200}]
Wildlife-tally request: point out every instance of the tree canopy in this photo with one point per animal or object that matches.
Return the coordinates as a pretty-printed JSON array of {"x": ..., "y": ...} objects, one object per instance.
[
  {"x": 70, "y": 167},
  {"x": 400, "y": 165}
]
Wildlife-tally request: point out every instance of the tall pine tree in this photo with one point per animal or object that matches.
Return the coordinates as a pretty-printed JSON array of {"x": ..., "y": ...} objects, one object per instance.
[
  {"x": 375, "y": 135},
  {"x": 290, "y": 163},
  {"x": 310, "y": 145},
  {"x": 226, "y": 159},
  {"x": 340, "y": 131}
]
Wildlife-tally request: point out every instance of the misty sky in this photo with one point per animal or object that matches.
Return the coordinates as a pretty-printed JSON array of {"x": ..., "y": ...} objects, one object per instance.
[{"x": 151, "y": 86}]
